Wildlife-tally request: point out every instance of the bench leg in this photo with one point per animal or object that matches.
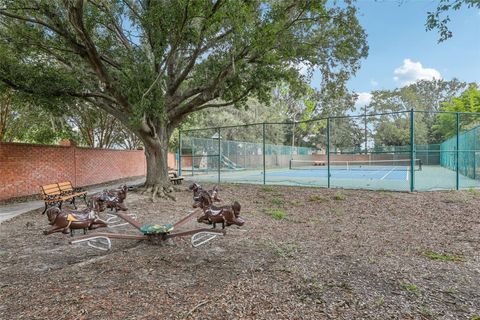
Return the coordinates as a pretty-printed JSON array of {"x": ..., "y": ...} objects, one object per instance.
[
  {"x": 85, "y": 199},
  {"x": 46, "y": 207},
  {"x": 60, "y": 205},
  {"x": 53, "y": 204},
  {"x": 73, "y": 202}
]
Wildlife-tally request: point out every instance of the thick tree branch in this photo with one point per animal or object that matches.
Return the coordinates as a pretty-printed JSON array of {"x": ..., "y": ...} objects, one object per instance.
[
  {"x": 132, "y": 8},
  {"x": 172, "y": 88},
  {"x": 224, "y": 104},
  {"x": 207, "y": 92},
  {"x": 5, "y": 13},
  {"x": 76, "y": 18},
  {"x": 116, "y": 30}
]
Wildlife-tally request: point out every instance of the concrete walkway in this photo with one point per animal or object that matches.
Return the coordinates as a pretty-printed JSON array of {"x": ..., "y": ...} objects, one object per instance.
[{"x": 9, "y": 211}]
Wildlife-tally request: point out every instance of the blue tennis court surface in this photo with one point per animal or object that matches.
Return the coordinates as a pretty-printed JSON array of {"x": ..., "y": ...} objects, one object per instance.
[
  {"x": 393, "y": 178},
  {"x": 380, "y": 174}
]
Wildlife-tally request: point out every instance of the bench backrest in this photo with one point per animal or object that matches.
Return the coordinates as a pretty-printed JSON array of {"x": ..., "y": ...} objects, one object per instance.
[
  {"x": 65, "y": 186},
  {"x": 50, "y": 189}
]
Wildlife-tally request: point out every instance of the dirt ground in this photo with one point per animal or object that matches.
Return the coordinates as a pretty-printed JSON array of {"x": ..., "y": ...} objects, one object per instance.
[{"x": 303, "y": 253}]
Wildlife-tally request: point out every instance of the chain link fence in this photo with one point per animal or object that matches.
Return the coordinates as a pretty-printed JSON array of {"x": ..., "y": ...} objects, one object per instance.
[{"x": 404, "y": 151}]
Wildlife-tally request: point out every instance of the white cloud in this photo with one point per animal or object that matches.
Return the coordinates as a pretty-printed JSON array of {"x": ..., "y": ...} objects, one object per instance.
[
  {"x": 363, "y": 99},
  {"x": 373, "y": 83},
  {"x": 411, "y": 72}
]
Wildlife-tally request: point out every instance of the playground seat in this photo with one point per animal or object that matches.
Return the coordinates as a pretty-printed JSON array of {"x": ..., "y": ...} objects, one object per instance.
[
  {"x": 57, "y": 193},
  {"x": 156, "y": 228},
  {"x": 174, "y": 178}
]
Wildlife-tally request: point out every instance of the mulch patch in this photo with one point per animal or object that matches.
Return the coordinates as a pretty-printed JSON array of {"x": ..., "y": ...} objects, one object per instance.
[{"x": 303, "y": 253}]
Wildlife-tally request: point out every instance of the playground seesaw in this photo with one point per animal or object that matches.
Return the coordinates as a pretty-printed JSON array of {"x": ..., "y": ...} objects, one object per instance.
[{"x": 150, "y": 232}]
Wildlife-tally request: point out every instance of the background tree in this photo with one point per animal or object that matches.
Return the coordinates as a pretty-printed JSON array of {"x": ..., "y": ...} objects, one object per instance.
[
  {"x": 6, "y": 112},
  {"x": 468, "y": 101},
  {"x": 20, "y": 121},
  {"x": 96, "y": 128},
  {"x": 151, "y": 63},
  {"x": 424, "y": 95}
]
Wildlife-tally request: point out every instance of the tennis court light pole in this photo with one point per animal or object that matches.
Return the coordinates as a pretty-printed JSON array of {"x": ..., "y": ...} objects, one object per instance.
[
  {"x": 457, "y": 158},
  {"x": 412, "y": 150}
]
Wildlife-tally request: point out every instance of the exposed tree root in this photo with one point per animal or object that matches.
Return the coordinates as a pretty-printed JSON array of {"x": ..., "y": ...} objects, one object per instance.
[{"x": 159, "y": 190}]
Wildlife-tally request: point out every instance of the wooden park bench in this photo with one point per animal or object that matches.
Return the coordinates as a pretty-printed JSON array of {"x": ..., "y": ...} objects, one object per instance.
[
  {"x": 56, "y": 193},
  {"x": 174, "y": 178}
]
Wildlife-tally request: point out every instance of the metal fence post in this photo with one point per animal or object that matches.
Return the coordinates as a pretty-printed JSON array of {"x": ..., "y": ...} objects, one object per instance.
[
  {"x": 328, "y": 152},
  {"x": 264, "y": 173},
  {"x": 179, "y": 152},
  {"x": 457, "y": 158},
  {"x": 193, "y": 155},
  {"x": 412, "y": 150},
  {"x": 474, "y": 157},
  {"x": 219, "y": 154}
]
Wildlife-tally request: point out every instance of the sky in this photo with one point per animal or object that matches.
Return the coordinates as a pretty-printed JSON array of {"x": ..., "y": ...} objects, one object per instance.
[{"x": 401, "y": 51}]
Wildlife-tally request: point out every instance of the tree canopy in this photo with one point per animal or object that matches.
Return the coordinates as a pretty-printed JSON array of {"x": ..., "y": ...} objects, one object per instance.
[
  {"x": 439, "y": 19},
  {"x": 151, "y": 63}
]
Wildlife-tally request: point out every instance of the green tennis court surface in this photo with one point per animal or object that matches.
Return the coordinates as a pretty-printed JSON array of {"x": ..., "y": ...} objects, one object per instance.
[{"x": 396, "y": 178}]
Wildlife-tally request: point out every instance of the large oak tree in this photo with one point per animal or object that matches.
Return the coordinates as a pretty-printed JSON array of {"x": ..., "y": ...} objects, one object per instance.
[{"x": 150, "y": 63}]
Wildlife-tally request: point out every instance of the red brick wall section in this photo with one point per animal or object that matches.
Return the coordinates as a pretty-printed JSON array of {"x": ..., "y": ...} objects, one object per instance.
[
  {"x": 25, "y": 167},
  {"x": 99, "y": 165}
]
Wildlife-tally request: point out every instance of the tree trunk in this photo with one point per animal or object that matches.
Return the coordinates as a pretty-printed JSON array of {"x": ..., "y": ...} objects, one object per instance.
[
  {"x": 157, "y": 170},
  {"x": 156, "y": 152}
]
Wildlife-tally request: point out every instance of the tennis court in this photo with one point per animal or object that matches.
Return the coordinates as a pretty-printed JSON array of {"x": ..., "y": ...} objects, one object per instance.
[
  {"x": 341, "y": 152},
  {"x": 377, "y": 177}
]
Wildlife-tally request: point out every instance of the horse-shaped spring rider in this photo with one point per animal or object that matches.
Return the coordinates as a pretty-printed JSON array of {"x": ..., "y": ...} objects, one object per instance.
[
  {"x": 226, "y": 215},
  {"x": 65, "y": 221},
  {"x": 112, "y": 199},
  {"x": 197, "y": 191}
]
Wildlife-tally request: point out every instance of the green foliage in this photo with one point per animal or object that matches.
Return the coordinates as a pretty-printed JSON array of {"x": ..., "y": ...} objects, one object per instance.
[
  {"x": 439, "y": 19},
  {"x": 278, "y": 202},
  {"x": 151, "y": 64},
  {"x": 425, "y": 95},
  {"x": 285, "y": 250},
  {"x": 276, "y": 214},
  {"x": 442, "y": 257},
  {"x": 411, "y": 288},
  {"x": 317, "y": 198},
  {"x": 295, "y": 202},
  {"x": 20, "y": 121},
  {"x": 468, "y": 101},
  {"x": 230, "y": 43},
  {"x": 339, "y": 196},
  {"x": 425, "y": 311},
  {"x": 268, "y": 189}
]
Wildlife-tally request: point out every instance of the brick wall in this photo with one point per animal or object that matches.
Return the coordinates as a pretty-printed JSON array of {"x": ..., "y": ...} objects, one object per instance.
[{"x": 24, "y": 167}]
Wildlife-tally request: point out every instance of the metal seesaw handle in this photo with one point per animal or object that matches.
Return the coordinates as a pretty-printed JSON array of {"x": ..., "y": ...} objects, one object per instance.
[
  {"x": 203, "y": 237},
  {"x": 108, "y": 242}
]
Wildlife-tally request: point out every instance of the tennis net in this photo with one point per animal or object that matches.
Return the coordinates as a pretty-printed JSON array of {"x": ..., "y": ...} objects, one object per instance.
[{"x": 361, "y": 165}]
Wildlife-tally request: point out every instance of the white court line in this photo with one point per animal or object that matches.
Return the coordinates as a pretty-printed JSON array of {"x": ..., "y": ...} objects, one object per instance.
[{"x": 387, "y": 173}]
